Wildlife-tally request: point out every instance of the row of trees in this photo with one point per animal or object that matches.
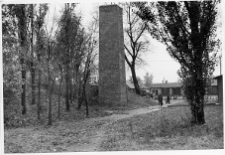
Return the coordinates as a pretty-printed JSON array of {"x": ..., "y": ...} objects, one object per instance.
[
  {"x": 62, "y": 53},
  {"x": 36, "y": 53},
  {"x": 20, "y": 23},
  {"x": 66, "y": 55}
]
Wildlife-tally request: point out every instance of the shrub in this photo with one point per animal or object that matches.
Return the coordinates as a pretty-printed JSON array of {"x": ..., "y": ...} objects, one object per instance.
[
  {"x": 11, "y": 93},
  {"x": 93, "y": 94}
]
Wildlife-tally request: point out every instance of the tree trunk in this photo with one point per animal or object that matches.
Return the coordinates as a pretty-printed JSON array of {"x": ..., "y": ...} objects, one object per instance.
[
  {"x": 23, "y": 44},
  {"x": 135, "y": 81},
  {"x": 85, "y": 99},
  {"x": 32, "y": 57},
  {"x": 67, "y": 89},
  {"x": 80, "y": 96},
  {"x": 198, "y": 100},
  {"x": 49, "y": 103},
  {"x": 23, "y": 94},
  {"x": 39, "y": 75},
  {"x": 71, "y": 90},
  {"x": 50, "y": 89},
  {"x": 33, "y": 83},
  {"x": 39, "y": 94},
  {"x": 39, "y": 86},
  {"x": 73, "y": 85},
  {"x": 76, "y": 84},
  {"x": 86, "y": 75},
  {"x": 59, "y": 95},
  {"x": 198, "y": 114}
]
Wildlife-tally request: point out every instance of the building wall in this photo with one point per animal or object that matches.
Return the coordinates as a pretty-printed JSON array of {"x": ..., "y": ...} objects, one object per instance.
[
  {"x": 177, "y": 91},
  {"x": 112, "y": 79},
  {"x": 167, "y": 91},
  {"x": 212, "y": 93},
  {"x": 220, "y": 89}
]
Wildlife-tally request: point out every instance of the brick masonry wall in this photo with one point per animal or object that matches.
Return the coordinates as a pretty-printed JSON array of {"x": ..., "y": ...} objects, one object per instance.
[{"x": 112, "y": 79}]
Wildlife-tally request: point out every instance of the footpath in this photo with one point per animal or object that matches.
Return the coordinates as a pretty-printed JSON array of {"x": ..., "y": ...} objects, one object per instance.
[
  {"x": 96, "y": 140},
  {"x": 67, "y": 136}
]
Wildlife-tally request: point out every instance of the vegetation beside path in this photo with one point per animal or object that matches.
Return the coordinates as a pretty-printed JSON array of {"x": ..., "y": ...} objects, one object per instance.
[
  {"x": 17, "y": 120},
  {"x": 166, "y": 129},
  {"x": 72, "y": 132}
]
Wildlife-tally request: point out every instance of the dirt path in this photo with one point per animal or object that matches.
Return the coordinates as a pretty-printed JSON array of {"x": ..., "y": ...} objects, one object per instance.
[
  {"x": 96, "y": 140},
  {"x": 82, "y": 136}
]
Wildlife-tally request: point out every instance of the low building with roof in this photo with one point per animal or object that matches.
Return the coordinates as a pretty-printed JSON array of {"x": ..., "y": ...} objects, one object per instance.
[
  {"x": 219, "y": 80},
  {"x": 174, "y": 90},
  {"x": 167, "y": 89},
  {"x": 130, "y": 86}
]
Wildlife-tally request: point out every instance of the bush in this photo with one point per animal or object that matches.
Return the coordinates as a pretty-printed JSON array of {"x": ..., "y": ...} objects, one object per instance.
[
  {"x": 93, "y": 95},
  {"x": 11, "y": 92},
  {"x": 12, "y": 109}
]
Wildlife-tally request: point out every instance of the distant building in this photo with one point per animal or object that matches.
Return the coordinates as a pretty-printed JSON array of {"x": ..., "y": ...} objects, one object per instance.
[
  {"x": 175, "y": 90},
  {"x": 219, "y": 80},
  {"x": 130, "y": 86},
  {"x": 167, "y": 89},
  {"x": 212, "y": 90}
]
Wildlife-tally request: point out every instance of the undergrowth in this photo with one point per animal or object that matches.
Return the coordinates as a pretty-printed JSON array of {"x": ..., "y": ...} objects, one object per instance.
[
  {"x": 14, "y": 119},
  {"x": 166, "y": 129}
]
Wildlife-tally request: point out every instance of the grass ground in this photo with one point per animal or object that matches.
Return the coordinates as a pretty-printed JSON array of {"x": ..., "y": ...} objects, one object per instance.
[
  {"x": 166, "y": 129},
  {"x": 135, "y": 101}
]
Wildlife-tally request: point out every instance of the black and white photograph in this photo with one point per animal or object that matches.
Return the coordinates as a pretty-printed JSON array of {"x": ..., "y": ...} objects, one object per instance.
[{"x": 116, "y": 77}]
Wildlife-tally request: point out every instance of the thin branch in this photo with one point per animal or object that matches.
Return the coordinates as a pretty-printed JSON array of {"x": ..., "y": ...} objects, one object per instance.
[
  {"x": 138, "y": 49},
  {"x": 127, "y": 60},
  {"x": 128, "y": 50},
  {"x": 142, "y": 31}
]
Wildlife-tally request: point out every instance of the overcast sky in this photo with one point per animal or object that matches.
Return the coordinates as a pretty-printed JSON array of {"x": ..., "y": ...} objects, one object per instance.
[{"x": 158, "y": 61}]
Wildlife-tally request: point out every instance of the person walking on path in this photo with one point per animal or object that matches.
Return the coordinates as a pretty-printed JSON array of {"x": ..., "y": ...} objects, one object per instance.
[
  {"x": 160, "y": 99},
  {"x": 168, "y": 99}
]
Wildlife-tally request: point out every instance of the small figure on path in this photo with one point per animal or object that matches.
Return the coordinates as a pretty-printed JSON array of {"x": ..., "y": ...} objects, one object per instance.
[
  {"x": 168, "y": 99},
  {"x": 160, "y": 99}
]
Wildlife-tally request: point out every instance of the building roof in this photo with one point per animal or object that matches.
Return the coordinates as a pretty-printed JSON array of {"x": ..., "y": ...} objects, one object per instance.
[
  {"x": 130, "y": 85},
  {"x": 174, "y": 84},
  {"x": 218, "y": 76},
  {"x": 156, "y": 85},
  {"x": 166, "y": 85}
]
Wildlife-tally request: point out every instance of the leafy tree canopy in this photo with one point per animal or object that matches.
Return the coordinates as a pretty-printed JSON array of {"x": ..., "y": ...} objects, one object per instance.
[{"x": 188, "y": 30}]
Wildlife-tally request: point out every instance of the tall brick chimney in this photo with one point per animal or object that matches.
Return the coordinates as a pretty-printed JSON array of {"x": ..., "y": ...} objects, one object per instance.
[{"x": 112, "y": 78}]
